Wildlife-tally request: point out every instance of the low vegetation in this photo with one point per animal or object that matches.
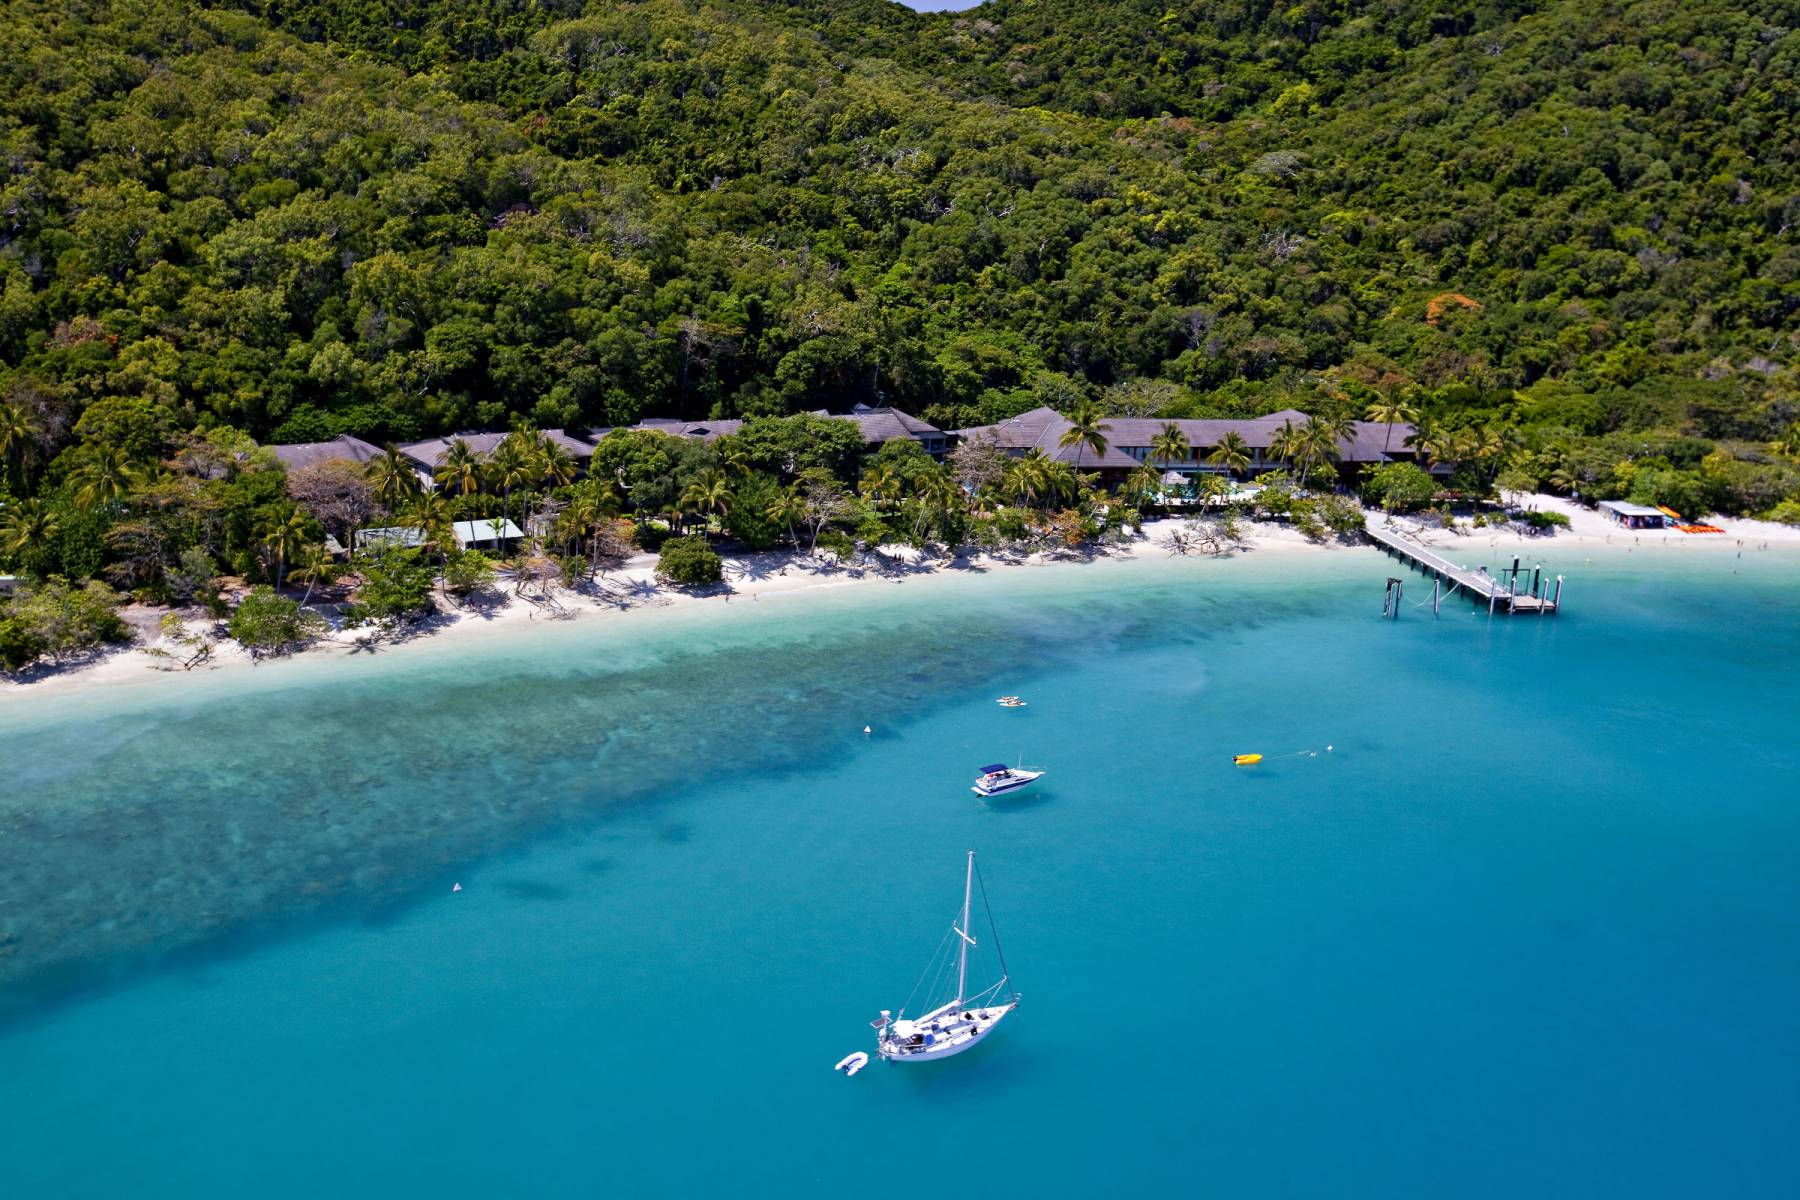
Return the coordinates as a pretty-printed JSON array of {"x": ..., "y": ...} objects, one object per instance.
[{"x": 689, "y": 562}]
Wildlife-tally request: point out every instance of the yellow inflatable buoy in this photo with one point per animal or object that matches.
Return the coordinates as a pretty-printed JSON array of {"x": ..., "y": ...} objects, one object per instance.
[{"x": 1244, "y": 760}]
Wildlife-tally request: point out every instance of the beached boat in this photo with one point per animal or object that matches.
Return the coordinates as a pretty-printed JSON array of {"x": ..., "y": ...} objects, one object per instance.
[
  {"x": 996, "y": 779},
  {"x": 961, "y": 1021}
]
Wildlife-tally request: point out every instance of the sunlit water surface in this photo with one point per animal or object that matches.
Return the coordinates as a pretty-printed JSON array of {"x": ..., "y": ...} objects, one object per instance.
[{"x": 1531, "y": 925}]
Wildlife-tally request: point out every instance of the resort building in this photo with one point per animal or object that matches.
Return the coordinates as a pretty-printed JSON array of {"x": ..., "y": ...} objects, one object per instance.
[
  {"x": 1632, "y": 516},
  {"x": 880, "y": 426},
  {"x": 1128, "y": 441},
  {"x": 406, "y": 537},
  {"x": 488, "y": 531},
  {"x": 877, "y": 425},
  {"x": 306, "y": 454},
  {"x": 429, "y": 454},
  {"x": 706, "y": 431}
]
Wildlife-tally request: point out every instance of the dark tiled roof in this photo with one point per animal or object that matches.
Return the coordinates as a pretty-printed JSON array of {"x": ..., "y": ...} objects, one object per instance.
[
  {"x": 886, "y": 424},
  {"x": 305, "y": 454},
  {"x": 430, "y": 452},
  {"x": 1041, "y": 428},
  {"x": 706, "y": 431}
]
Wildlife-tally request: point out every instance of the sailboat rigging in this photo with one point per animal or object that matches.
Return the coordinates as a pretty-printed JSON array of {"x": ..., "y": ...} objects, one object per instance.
[{"x": 963, "y": 1020}]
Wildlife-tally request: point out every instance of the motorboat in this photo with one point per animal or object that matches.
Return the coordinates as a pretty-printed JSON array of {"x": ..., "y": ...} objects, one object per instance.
[
  {"x": 997, "y": 779},
  {"x": 850, "y": 1064},
  {"x": 963, "y": 1020}
]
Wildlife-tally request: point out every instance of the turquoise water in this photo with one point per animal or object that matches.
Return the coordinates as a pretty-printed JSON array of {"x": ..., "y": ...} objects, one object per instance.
[{"x": 1530, "y": 927}]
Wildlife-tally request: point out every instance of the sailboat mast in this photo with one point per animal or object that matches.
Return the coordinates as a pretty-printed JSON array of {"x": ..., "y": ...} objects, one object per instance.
[{"x": 962, "y": 951}]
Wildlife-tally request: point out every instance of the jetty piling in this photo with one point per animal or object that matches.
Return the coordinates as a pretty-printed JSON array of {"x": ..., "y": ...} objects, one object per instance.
[
  {"x": 1390, "y": 602},
  {"x": 1501, "y": 592}
]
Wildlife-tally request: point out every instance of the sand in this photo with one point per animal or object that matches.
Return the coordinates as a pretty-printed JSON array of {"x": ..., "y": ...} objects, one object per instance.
[{"x": 755, "y": 577}]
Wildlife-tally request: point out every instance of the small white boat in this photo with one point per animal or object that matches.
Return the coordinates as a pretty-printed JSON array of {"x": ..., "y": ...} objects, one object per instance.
[
  {"x": 850, "y": 1064},
  {"x": 1011, "y": 702},
  {"x": 997, "y": 779},
  {"x": 963, "y": 1020}
]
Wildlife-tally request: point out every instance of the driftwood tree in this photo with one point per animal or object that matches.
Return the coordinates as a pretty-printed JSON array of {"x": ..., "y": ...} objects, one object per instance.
[{"x": 336, "y": 492}]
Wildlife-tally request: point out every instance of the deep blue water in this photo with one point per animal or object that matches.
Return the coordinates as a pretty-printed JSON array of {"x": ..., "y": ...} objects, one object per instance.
[{"x": 1530, "y": 927}]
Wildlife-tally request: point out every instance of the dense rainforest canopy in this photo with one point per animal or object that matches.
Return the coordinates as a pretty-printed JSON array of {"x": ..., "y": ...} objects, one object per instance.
[{"x": 1569, "y": 223}]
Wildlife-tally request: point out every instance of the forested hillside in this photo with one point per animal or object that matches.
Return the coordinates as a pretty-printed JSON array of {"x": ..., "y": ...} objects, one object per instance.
[{"x": 1575, "y": 224}]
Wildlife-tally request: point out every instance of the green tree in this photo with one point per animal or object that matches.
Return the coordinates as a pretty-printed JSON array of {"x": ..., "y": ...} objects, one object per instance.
[
  {"x": 1390, "y": 411},
  {"x": 395, "y": 586},
  {"x": 1170, "y": 445},
  {"x": 689, "y": 562},
  {"x": 1400, "y": 487},
  {"x": 104, "y": 480},
  {"x": 27, "y": 529},
  {"x": 394, "y": 479},
  {"x": 461, "y": 469},
  {"x": 284, "y": 540},
  {"x": 1086, "y": 431},
  {"x": 467, "y": 572},
  {"x": 708, "y": 495},
  {"x": 513, "y": 466},
  {"x": 1232, "y": 453},
  {"x": 19, "y": 430},
  {"x": 66, "y": 620},
  {"x": 312, "y": 566},
  {"x": 266, "y": 623}
]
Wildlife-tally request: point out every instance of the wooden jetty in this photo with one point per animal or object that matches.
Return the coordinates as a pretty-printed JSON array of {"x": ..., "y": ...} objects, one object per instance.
[{"x": 1501, "y": 593}]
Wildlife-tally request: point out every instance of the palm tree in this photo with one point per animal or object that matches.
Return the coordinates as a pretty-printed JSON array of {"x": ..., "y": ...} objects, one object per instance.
[
  {"x": 1026, "y": 478},
  {"x": 17, "y": 429},
  {"x": 104, "y": 480},
  {"x": 788, "y": 506},
  {"x": 554, "y": 462},
  {"x": 313, "y": 566},
  {"x": 579, "y": 519},
  {"x": 394, "y": 479},
  {"x": 1232, "y": 453},
  {"x": 737, "y": 460},
  {"x": 1433, "y": 444},
  {"x": 1061, "y": 483},
  {"x": 1285, "y": 445},
  {"x": 285, "y": 540},
  {"x": 1391, "y": 411},
  {"x": 1317, "y": 448},
  {"x": 1086, "y": 431},
  {"x": 461, "y": 469},
  {"x": 882, "y": 485},
  {"x": 509, "y": 467},
  {"x": 1144, "y": 484},
  {"x": 938, "y": 492},
  {"x": 1170, "y": 445},
  {"x": 26, "y": 526},
  {"x": 709, "y": 493},
  {"x": 430, "y": 514}
]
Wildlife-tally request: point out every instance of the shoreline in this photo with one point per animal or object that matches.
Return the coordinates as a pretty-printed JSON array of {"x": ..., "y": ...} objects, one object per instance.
[{"x": 776, "y": 574}]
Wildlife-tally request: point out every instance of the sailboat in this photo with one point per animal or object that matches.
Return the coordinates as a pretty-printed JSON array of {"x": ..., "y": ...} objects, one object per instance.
[{"x": 960, "y": 1022}]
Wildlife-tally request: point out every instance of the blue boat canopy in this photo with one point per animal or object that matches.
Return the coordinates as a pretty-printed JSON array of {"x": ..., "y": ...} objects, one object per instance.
[{"x": 992, "y": 767}]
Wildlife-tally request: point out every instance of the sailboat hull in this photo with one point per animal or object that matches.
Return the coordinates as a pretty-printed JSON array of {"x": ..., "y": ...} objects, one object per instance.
[{"x": 949, "y": 1043}]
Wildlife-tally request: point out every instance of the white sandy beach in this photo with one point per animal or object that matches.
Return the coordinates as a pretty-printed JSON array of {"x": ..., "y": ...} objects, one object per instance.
[{"x": 777, "y": 575}]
